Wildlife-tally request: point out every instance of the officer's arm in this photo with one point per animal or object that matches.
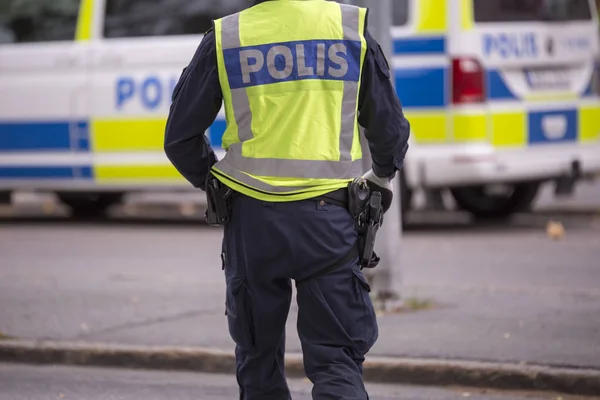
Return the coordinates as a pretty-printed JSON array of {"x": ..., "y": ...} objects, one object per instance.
[
  {"x": 197, "y": 100},
  {"x": 380, "y": 113}
]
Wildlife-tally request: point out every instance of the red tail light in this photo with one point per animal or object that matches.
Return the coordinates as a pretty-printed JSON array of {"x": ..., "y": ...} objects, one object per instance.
[{"x": 467, "y": 81}]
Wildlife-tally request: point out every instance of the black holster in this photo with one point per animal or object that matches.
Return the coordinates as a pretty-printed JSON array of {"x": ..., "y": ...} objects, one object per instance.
[
  {"x": 365, "y": 206},
  {"x": 218, "y": 198}
]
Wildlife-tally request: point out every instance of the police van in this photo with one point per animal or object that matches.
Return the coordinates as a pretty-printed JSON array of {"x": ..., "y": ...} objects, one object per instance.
[{"x": 502, "y": 95}]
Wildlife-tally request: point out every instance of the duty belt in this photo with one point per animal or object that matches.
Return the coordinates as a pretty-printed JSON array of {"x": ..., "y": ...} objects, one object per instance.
[{"x": 338, "y": 197}]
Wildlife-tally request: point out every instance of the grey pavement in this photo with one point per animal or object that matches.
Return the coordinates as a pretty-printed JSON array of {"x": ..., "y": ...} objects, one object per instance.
[
  {"x": 501, "y": 293},
  {"x": 586, "y": 196},
  {"x": 585, "y": 199},
  {"x": 48, "y": 383}
]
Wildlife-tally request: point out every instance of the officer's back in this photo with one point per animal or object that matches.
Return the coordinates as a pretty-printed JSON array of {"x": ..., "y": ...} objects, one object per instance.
[{"x": 291, "y": 71}]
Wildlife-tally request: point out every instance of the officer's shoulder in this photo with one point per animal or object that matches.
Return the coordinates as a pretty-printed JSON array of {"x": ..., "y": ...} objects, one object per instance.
[
  {"x": 210, "y": 33},
  {"x": 378, "y": 55},
  {"x": 208, "y": 38}
]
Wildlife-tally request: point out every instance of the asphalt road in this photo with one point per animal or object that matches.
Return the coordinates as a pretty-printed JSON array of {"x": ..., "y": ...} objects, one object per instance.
[
  {"x": 48, "y": 383},
  {"x": 499, "y": 293}
]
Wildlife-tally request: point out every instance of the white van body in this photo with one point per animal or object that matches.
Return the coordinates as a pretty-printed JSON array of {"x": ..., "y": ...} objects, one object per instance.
[{"x": 83, "y": 104}]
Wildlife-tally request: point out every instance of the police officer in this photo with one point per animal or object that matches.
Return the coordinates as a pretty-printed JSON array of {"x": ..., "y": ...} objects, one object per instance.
[{"x": 296, "y": 79}]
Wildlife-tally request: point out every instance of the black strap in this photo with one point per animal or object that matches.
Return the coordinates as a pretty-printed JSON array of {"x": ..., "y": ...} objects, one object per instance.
[
  {"x": 353, "y": 253},
  {"x": 338, "y": 197}
]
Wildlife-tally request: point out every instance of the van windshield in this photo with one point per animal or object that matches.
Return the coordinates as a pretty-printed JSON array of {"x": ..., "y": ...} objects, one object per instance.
[
  {"x": 137, "y": 18},
  {"x": 131, "y": 18},
  {"x": 38, "y": 20},
  {"x": 400, "y": 10},
  {"x": 531, "y": 10}
]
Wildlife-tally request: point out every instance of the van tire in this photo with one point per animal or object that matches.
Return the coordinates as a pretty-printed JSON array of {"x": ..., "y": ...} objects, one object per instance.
[
  {"x": 481, "y": 205},
  {"x": 89, "y": 205},
  {"x": 5, "y": 198}
]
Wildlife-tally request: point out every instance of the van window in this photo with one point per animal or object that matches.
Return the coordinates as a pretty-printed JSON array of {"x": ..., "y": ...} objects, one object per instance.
[
  {"x": 136, "y": 18},
  {"x": 27, "y": 21},
  {"x": 400, "y": 11},
  {"x": 531, "y": 10}
]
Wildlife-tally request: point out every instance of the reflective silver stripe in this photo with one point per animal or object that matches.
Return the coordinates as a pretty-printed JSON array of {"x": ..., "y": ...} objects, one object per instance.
[
  {"x": 230, "y": 39},
  {"x": 278, "y": 167},
  {"x": 243, "y": 115},
  {"x": 350, "y": 22},
  {"x": 230, "y": 32},
  {"x": 349, "y": 101},
  {"x": 235, "y": 162},
  {"x": 239, "y": 176}
]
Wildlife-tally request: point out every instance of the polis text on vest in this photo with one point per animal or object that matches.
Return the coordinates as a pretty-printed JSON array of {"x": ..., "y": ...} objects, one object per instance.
[{"x": 293, "y": 61}]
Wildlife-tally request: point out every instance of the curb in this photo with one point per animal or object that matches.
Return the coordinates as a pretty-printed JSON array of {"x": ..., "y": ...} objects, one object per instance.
[{"x": 376, "y": 369}]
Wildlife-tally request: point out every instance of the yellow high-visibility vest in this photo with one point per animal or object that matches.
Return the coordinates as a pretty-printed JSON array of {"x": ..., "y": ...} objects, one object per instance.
[{"x": 290, "y": 73}]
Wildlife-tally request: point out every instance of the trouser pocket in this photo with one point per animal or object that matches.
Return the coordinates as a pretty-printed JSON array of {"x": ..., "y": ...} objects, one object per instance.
[
  {"x": 239, "y": 312},
  {"x": 369, "y": 318}
]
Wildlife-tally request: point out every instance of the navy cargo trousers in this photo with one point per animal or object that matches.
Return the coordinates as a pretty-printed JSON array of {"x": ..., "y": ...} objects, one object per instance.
[{"x": 265, "y": 247}]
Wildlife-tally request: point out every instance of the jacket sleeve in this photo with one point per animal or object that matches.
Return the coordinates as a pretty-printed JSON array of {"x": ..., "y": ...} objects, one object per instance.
[
  {"x": 196, "y": 102},
  {"x": 380, "y": 113}
]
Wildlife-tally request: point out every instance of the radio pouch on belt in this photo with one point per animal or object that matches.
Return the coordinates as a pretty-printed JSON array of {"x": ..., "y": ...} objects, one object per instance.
[{"x": 218, "y": 202}]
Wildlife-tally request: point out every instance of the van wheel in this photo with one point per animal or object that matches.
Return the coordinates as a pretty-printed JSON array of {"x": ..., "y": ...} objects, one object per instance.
[
  {"x": 496, "y": 201},
  {"x": 5, "y": 198},
  {"x": 89, "y": 205}
]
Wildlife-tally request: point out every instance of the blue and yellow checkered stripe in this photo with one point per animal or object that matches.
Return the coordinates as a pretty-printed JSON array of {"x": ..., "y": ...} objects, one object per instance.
[{"x": 62, "y": 138}]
